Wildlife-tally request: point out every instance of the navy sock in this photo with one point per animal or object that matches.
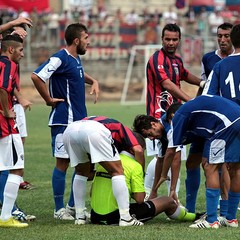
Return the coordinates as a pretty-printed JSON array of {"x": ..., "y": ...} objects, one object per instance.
[
  {"x": 3, "y": 180},
  {"x": 71, "y": 198},
  {"x": 212, "y": 197},
  {"x": 233, "y": 201},
  {"x": 192, "y": 183},
  {"x": 58, "y": 185}
]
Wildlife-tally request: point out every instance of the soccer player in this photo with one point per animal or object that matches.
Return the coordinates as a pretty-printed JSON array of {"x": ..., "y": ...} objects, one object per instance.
[
  {"x": 104, "y": 205},
  {"x": 216, "y": 121},
  {"x": 195, "y": 153},
  {"x": 11, "y": 147},
  {"x": 99, "y": 140},
  {"x": 66, "y": 96},
  {"x": 165, "y": 70}
]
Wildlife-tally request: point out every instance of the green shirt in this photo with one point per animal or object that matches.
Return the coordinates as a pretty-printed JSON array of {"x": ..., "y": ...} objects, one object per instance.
[{"x": 102, "y": 199}]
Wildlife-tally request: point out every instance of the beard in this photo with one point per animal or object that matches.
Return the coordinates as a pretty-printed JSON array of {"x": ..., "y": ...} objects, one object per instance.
[{"x": 80, "y": 50}]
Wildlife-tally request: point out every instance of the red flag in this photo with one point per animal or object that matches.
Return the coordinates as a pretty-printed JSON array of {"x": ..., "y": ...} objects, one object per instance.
[{"x": 25, "y": 5}]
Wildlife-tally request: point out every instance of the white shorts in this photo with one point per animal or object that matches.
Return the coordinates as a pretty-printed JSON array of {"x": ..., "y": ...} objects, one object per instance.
[
  {"x": 20, "y": 119},
  {"x": 11, "y": 152},
  {"x": 89, "y": 137}
]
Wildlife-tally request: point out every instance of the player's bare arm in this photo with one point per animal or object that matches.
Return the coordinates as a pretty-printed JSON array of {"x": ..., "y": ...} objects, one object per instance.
[
  {"x": 24, "y": 102},
  {"x": 139, "y": 155},
  {"x": 192, "y": 79},
  {"x": 175, "y": 90},
  {"x": 94, "y": 87},
  {"x": 8, "y": 113},
  {"x": 16, "y": 22},
  {"x": 43, "y": 91}
]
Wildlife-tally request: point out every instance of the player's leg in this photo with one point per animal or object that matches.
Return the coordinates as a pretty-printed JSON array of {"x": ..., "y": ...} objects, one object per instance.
[
  {"x": 171, "y": 209},
  {"x": 8, "y": 145},
  {"x": 3, "y": 180},
  {"x": 193, "y": 177},
  {"x": 59, "y": 173}
]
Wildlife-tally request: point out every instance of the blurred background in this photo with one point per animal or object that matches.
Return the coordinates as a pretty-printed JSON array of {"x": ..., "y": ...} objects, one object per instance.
[{"x": 123, "y": 34}]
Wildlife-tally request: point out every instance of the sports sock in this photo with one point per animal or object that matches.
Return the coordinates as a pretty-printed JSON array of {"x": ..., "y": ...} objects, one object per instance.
[
  {"x": 223, "y": 207},
  {"x": 120, "y": 192},
  {"x": 58, "y": 185},
  {"x": 212, "y": 197},
  {"x": 71, "y": 198},
  {"x": 79, "y": 192},
  {"x": 233, "y": 201},
  {"x": 182, "y": 215},
  {"x": 3, "y": 180},
  {"x": 192, "y": 183},
  {"x": 10, "y": 195}
]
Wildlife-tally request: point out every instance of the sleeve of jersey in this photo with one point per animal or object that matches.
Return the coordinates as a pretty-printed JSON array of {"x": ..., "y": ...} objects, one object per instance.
[
  {"x": 178, "y": 128},
  {"x": 46, "y": 70},
  {"x": 212, "y": 84},
  {"x": 8, "y": 76}
]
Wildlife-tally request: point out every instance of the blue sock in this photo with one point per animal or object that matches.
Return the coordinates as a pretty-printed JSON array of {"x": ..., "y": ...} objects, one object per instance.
[
  {"x": 58, "y": 185},
  {"x": 192, "y": 183},
  {"x": 71, "y": 198},
  {"x": 212, "y": 197},
  {"x": 3, "y": 180},
  {"x": 223, "y": 207},
  {"x": 233, "y": 201}
]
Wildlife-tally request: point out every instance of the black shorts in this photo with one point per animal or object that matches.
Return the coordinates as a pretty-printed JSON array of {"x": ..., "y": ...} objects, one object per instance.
[{"x": 143, "y": 212}]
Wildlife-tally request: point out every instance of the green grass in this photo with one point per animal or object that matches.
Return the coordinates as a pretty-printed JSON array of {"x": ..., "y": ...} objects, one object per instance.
[{"x": 38, "y": 169}]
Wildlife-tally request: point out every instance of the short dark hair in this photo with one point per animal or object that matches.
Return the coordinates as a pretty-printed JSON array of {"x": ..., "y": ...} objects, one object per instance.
[
  {"x": 171, "y": 110},
  {"x": 10, "y": 40},
  {"x": 235, "y": 36},
  {"x": 225, "y": 26},
  {"x": 142, "y": 122},
  {"x": 74, "y": 31},
  {"x": 171, "y": 27}
]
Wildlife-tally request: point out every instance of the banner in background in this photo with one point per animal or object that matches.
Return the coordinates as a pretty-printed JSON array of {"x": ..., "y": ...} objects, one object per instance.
[{"x": 25, "y": 5}]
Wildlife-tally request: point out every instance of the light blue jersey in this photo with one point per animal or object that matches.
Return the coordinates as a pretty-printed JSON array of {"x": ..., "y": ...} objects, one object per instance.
[
  {"x": 224, "y": 80},
  {"x": 66, "y": 81}
]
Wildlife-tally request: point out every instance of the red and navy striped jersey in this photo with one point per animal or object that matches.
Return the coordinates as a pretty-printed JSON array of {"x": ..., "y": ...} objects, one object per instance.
[
  {"x": 9, "y": 80},
  {"x": 161, "y": 67},
  {"x": 122, "y": 135}
]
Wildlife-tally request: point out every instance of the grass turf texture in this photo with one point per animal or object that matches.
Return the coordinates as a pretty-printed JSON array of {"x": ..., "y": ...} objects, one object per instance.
[{"x": 38, "y": 169}]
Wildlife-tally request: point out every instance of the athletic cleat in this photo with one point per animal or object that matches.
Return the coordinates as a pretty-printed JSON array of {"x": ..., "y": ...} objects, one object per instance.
[
  {"x": 70, "y": 210},
  {"x": 131, "y": 222},
  {"x": 81, "y": 221},
  {"x": 12, "y": 223},
  {"x": 26, "y": 186},
  {"x": 62, "y": 214},
  {"x": 204, "y": 224},
  {"x": 228, "y": 223},
  {"x": 19, "y": 215},
  {"x": 200, "y": 217}
]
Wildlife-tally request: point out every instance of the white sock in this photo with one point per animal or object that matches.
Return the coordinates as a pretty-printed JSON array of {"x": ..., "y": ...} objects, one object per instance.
[
  {"x": 79, "y": 193},
  {"x": 120, "y": 192},
  {"x": 10, "y": 194}
]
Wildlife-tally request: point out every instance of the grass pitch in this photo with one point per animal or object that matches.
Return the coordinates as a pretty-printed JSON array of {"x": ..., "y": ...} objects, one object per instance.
[{"x": 39, "y": 202}]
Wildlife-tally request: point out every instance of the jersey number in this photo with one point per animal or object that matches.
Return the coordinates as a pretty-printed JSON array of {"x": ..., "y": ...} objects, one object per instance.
[{"x": 230, "y": 80}]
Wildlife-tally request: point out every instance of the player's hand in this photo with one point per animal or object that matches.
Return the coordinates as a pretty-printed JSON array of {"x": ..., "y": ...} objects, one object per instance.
[
  {"x": 26, "y": 104},
  {"x": 22, "y": 20},
  {"x": 53, "y": 102},
  {"x": 95, "y": 90},
  {"x": 20, "y": 32},
  {"x": 9, "y": 114},
  {"x": 173, "y": 195},
  {"x": 152, "y": 195}
]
